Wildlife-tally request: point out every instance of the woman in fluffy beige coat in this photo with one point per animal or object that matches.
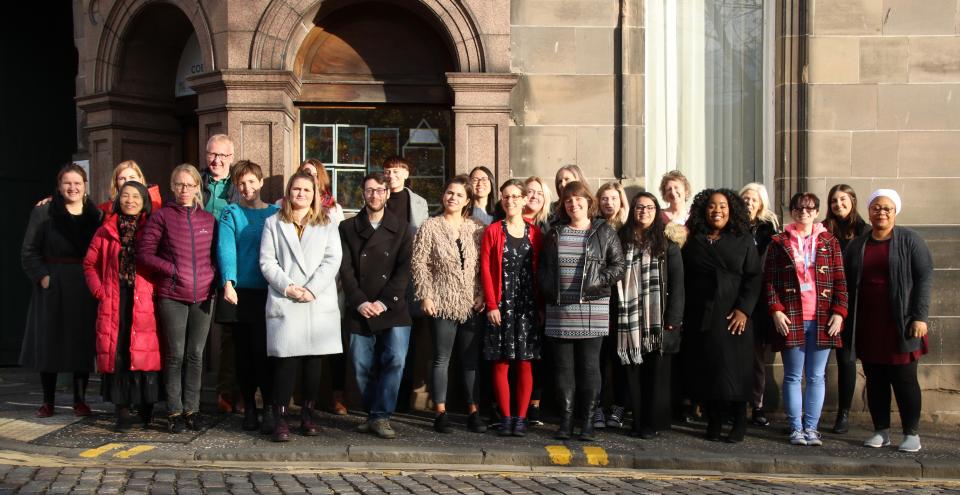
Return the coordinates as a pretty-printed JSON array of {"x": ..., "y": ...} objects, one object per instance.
[{"x": 444, "y": 266}]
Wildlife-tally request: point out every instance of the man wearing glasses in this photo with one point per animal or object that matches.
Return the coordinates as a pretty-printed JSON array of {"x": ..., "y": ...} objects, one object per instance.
[
  {"x": 218, "y": 191},
  {"x": 374, "y": 273}
]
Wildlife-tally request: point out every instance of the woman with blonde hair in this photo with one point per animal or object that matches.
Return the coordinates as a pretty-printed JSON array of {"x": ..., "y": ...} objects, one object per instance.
[
  {"x": 763, "y": 225},
  {"x": 675, "y": 190},
  {"x": 300, "y": 255},
  {"x": 124, "y": 171},
  {"x": 177, "y": 246},
  {"x": 537, "y": 211}
]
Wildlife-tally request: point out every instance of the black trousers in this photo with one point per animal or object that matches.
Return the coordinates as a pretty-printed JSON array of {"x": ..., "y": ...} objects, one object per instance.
[
  {"x": 285, "y": 376},
  {"x": 650, "y": 391},
  {"x": 252, "y": 366},
  {"x": 618, "y": 373},
  {"x": 846, "y": 377},
  {"x": 576, "y": 365},
  {"x": 902, "y": 378}
]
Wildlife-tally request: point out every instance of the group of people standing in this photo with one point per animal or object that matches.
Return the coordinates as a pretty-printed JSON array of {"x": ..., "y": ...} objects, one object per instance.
[{"x": 680, "y": 303}]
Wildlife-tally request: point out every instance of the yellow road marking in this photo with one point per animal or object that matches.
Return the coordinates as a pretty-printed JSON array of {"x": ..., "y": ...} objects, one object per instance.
[
  {"x": 559, "y": 454},
  {"x": 596, "y": 456},
  {"x": 139, "y": 449},
  {"x": 101, "y": 450}
]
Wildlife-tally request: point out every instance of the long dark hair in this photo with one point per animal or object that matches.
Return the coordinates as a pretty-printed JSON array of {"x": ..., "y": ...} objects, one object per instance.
[
  {"x": 492, "y": 198},
  {"x": 463, "y": 180},
  {"x": 633, "y": 233},
  {"x": 850, "y": 224},
  {"x": 738, "y": 222}
]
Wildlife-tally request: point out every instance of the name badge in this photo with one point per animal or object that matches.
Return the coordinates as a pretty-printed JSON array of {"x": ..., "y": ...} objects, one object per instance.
[{"x": 806, "y": 287}]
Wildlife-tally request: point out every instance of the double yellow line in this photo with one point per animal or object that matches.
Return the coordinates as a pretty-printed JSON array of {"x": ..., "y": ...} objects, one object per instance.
[
  {"x": 122, "y": 454},
  {"x": 561, "y": 455}
]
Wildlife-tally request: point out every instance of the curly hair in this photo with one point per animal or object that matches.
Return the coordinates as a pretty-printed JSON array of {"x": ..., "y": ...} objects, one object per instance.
[
  {"x": 632, "y": 233},
  {"x": 738, "y": 221}
]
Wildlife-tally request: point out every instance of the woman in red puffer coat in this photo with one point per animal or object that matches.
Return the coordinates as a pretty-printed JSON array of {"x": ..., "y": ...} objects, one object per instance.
[{"x": 128, "y": 351}]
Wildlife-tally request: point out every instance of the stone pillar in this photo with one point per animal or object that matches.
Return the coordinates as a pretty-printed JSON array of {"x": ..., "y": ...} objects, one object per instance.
[
  {"x": 481, "y": 121},
  {"x": 255, "y": 108},
  {"x": 790, "y": 99},
  {"x": 123, "y": 127}
]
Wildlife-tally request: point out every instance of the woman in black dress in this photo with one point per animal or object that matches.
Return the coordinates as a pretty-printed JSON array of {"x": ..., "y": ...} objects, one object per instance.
[
  {"x": 59, "y": 335},
  {"x": 722, "y": 278}
]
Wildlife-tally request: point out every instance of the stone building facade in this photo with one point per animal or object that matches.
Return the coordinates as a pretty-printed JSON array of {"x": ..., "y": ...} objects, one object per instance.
[{"x": 812, "y": 93}]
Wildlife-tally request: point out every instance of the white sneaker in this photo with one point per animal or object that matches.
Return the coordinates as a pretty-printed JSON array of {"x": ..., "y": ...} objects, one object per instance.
[
  {"x": 911, "y": 443},
  {"x": 880, "y": 438},
  {"x": 812, "y": 437},
  {"x": 797, "y": 438}
]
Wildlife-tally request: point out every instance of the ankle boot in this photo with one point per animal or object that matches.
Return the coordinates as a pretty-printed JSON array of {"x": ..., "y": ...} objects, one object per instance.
[
  {"x": 587, "y": 430},
  {"x": 146, "y": 414},
  {"x": 268, "y": 422},
  {"x": 565, "y": 431},
  {"x": 739, "y": 429},
  {"x": 714, "y": 422},
  {"x": 843, "y": 422},
  {"x": 307, "y": 427},
  {"x": 281, "y": 431},
  {"x": 124, "y": 420}
]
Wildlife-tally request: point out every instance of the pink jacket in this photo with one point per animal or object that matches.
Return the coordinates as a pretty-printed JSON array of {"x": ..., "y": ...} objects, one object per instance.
[{"x": 101, "y": 267}]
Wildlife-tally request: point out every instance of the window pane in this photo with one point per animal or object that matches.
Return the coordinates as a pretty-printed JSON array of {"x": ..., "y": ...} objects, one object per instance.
[
  {"x": 318, "y": 143},
  {"x": 351, "y": 145},
  {"x": 350, "y": 188},
  {"x": 384, "y": 143}
]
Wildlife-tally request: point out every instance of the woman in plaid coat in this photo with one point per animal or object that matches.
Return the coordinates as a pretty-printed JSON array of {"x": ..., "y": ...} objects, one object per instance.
[{"x": 807, "y": 295}]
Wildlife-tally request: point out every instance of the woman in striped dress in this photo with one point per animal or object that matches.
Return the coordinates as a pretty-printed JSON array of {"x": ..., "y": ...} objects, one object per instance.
[{"x": 581, "y": 260}]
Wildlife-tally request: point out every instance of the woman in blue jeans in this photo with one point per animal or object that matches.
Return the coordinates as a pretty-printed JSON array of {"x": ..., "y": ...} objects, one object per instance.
[{"x": 807, "y": 295}]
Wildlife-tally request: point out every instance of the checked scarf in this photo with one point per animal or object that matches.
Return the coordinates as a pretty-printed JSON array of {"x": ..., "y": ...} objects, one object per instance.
[{"x": 639, "y": 325}]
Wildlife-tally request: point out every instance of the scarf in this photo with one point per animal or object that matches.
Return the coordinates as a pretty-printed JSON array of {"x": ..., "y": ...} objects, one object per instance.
[
  {"x": 127, "y": 228},
  {"x": 639, "y": 325}
]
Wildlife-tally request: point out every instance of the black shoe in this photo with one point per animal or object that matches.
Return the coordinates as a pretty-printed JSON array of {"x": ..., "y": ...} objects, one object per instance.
[
  {"x": 146, "y": 415},
  {"x": 192, "y": 420},
  {"x": 268, "y": 422},
  {"x": 843, "y": 422},
  {"x": 495, "y": 418},
  {"x": 441, "y": 424},
  {"x": 175, "y": 423},
  {"x": 475, "y": 424},
  {"x": 565, "y": 431},
  {"x": 250, "y": 421},
  {"x": 739, "y": 417},
  {"x": 506, "y": 427},
  {"x": 714, "y": 425},
  {"x": 587, "y": 429},
  {"x": 648, "y": 433},
  {"x": 124, "y": 420},
  {"x": 759, "y": 418},
  {"x": 520, "y": 427},
  {"x": 533, "y": 416}
]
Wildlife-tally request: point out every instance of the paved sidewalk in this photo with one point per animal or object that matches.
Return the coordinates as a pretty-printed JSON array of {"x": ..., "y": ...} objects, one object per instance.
[{"x": 765, "y": 450}]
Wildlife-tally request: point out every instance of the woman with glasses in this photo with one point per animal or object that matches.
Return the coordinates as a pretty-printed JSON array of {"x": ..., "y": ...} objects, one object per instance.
[
  {"x": 845, "y": 223},
  {"x": 177, "y": 246},
  {"x": 444, "y": 266},
  {"x": 484, "y": 198},
  {"x": 806, "y": 292},
  {"x": 509, "y": 255},
  {"x": 650, "y": 314},
  {"x": 890, "y": 271}
]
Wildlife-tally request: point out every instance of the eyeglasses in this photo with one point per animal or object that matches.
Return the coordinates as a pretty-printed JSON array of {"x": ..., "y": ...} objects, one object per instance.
[
  {"x": 644, "y": 207},
  {"x": 184, "y": 186},
  {"x": 380, "y": 191},
  {"x": 219, "y": 156},
  {"x": 480, "y": 180},
  {"x": 886, "y": 210},
  {"x": 512, "y": 197},
  {"x": 808, "y": 209}
]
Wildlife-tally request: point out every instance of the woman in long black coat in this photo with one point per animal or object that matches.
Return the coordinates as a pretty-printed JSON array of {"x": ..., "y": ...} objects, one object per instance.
[
  {"x": 722, "y": 278},
  {"x": 60, "y": 331}
]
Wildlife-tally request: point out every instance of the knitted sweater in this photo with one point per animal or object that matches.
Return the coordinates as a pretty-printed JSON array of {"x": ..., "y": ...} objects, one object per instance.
[
  {"x": 238, "y": 245},
  {"x": 438, "y": 273}
]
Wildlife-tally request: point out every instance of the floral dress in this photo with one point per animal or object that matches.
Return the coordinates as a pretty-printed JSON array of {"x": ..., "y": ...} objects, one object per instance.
[{"x": 517, "y": 336}]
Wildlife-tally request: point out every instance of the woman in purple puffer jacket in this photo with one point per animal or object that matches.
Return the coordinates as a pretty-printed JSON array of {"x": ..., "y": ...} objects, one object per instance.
[{"x": 176, "y": 245}]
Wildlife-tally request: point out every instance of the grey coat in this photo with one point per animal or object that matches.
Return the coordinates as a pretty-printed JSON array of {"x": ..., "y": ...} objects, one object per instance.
[{"x": 911, "y": 279}]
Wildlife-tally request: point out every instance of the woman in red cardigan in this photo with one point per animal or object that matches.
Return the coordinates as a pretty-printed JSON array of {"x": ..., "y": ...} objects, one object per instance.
[
  {"x": 509, "y": 255},
  {"x": 128, "y": 352},
  {"x": 806, "y": 292}
]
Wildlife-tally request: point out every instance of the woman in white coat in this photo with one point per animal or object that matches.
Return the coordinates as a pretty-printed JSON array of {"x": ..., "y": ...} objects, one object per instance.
[{"x": 300, "y": 256}]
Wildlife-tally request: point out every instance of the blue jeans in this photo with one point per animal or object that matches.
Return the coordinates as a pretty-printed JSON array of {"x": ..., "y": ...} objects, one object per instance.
[
  {"x": 810, "y": 362},
  {"x": 378, "y": 364}
]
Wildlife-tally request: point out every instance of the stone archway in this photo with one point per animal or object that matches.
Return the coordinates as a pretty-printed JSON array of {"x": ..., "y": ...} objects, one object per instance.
[{"x": 285, "y": 23}]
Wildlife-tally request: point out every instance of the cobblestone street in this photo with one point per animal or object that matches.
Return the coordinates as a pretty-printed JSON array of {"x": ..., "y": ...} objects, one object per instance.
[{"x": 78, "y": 480}]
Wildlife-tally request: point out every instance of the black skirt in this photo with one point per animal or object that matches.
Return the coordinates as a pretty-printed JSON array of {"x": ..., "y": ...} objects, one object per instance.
[{"x": 127, "y": 387}]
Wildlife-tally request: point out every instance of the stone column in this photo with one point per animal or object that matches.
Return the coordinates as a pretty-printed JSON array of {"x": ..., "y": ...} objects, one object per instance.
[
  {"x": 255, "y": 108},
  {"x": 790, "y": 100},
  {"x": 481, "y": 121}
]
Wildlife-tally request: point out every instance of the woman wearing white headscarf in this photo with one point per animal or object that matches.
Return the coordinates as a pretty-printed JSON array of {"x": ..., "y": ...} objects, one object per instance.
[{"x": 889, "y": 275}]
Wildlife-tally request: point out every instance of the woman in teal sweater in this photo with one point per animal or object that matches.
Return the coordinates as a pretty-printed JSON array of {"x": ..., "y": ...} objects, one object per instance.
[{"x": 245, "y": 290}]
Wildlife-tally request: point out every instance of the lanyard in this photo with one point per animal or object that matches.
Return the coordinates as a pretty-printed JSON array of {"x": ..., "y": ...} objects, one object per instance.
[{"x": 807, "y": 255}]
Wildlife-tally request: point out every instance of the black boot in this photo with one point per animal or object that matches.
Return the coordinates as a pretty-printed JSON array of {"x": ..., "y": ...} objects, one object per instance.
[
  {"x": 739, "y": 413},
  {"x": 268, "y": 421},
  {"x": 714, "y": 422},
  {"x": 281, "y": 431},
  {"x": 589, "y": 409},
  {"x": 124, "y": 420},
  {"x": 843, "y": 422},
  {"x": 250, "y": 420},
  {"x": 146, "y": 414},
  {"x": 565, "y": 431},
  {"x": 307, "y": 427}
]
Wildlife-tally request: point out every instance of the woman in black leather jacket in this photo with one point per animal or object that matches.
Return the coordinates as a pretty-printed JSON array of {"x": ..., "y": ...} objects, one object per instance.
[{"x": 581, "y": 260}]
